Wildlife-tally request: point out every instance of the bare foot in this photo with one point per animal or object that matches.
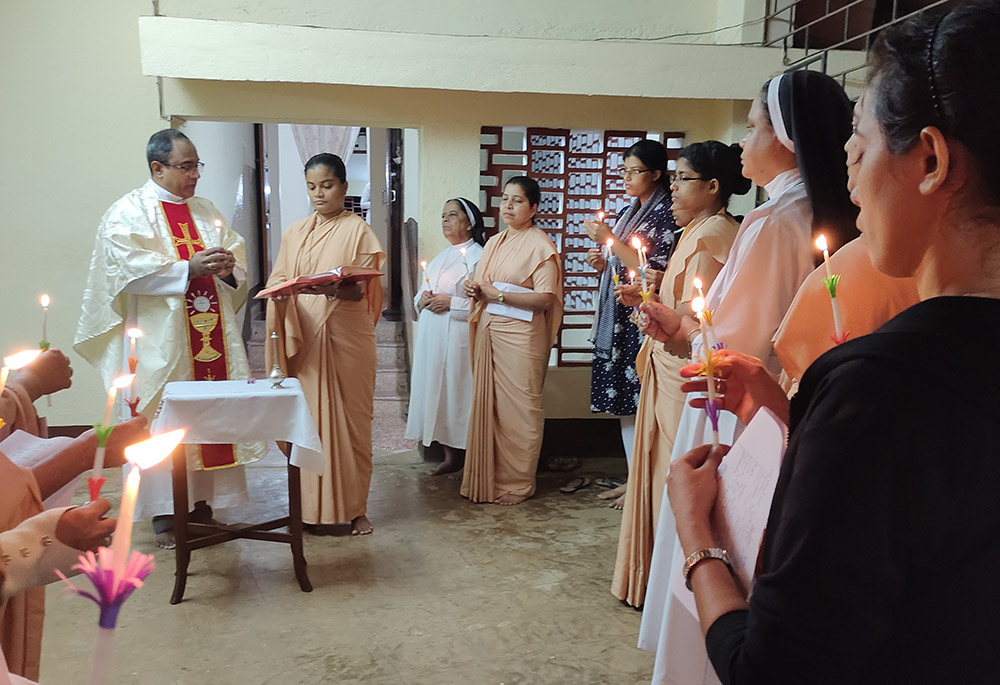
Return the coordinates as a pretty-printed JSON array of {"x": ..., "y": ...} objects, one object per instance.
[
  {"x": 165, "y": 540},
  {"x": 361, "y": 526},
  {"x": 618, "y": 504},
  {"x": 614, "y": 493},
  {"x": 457, "y": 475},
  {"x": 447, "y": 466},
  {"x": 509, "y": 500}
]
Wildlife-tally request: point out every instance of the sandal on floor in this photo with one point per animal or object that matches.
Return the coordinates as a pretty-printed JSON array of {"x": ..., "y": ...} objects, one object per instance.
[
  {"x": 610, "y": 483},
  {"x": 574, "y": 484}
]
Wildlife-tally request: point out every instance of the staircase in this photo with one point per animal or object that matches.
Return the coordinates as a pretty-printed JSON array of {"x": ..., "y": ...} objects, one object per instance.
[{"x": 392, "y": 381}]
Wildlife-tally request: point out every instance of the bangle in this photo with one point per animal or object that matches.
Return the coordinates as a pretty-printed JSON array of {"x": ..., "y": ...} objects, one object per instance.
[{"x": 701, "y": 555}]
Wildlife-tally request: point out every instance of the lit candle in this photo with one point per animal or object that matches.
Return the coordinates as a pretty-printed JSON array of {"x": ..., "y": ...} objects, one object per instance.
[
  {"x": 607, "y": 252},
  {"x": 133, "y": 360},
  {"x": 141, "y": 455},
  {"x": 631, "y": 276},
  {"x": 218, "y": 229},
  {"x": 116, "y": 385},
  {"x": 16, "y": 361},
  {"x": 45, "y": 321},
  {"x": 423, "y": 265},
  {"x": 831, "y": 282},
  {"x": 698, "y": 305},
  {"x": 465, "y": 263},
  {"x": 697, "y": 286},
  {"x": 600, "y": 216}
]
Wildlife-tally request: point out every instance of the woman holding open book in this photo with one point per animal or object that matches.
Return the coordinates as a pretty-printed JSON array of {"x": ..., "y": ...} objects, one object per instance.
[
  {"x": 326, "y": 339},
  {"x": 513, "y": 321}
]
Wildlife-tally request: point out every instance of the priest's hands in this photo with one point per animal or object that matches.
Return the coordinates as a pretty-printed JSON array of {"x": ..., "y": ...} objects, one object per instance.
[
  {"x": 85, "y": 528},
  {"x": 743, "y": 386},
  {"x": 215, "y": 261},
  {"x": 50, "y": 372}
]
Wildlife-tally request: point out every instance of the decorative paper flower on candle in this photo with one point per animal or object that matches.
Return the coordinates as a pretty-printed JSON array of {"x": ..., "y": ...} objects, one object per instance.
[
  {"x": 712, "y": 408},
  {"x": 96, "y": 482},
  {"x": 110, "y": 595}
]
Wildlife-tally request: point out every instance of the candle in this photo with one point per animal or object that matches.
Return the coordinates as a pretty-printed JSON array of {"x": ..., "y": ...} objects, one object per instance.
[
  {"x": 133, "y": 361},
  {"x": 423, "y": 265},
  {"x": 16, "y": 361},
  {"x": 600, "y": 216},
  {"x": 631, "y": 276},
  {"x": 831, "y": 282},
  {"x": 141, "y": 455},
  {"x": 698, "y": 305},
  {"x": 218, "y": 229},
  {"x": 607, "y": 254},
  {"x": 697, "y": 286},
  {"x": 45, "y": 320},
  {"x": 465, "y": 263},
  {"x": 104, "y": 430}
]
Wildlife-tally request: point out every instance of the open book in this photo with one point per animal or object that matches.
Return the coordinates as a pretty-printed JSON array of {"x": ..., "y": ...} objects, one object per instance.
[{"x": 346, "y": 274}]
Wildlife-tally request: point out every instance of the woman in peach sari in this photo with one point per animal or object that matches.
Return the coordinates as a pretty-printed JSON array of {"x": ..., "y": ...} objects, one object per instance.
[
  {"x": 327, "y": 340},
  {"x": 513, "y": 323}
]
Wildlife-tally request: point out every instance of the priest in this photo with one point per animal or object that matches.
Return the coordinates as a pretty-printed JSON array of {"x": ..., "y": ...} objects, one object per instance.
[{"x": 166, "y": 262}]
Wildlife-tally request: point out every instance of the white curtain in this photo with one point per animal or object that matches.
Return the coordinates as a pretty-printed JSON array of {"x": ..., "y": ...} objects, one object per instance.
[{"x": 312, "y": 140}]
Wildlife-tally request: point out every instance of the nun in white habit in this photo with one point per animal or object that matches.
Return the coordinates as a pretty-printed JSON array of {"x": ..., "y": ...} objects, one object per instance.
[
  {"x": 798, "y": 126},
  {"x": 441, "y": 382}
]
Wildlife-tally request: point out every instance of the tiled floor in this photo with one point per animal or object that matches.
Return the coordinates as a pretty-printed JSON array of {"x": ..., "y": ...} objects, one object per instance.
[{"x": 443, "y": 592}]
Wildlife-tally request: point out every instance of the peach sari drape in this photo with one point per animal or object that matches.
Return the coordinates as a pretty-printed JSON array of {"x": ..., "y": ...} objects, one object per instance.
[
  {"x": 701, "y": 251},
  {"x": 510, "y": 358},
  {"x": 329, "y": 345},
  {"x": 866, "y": 297},
  {"x": 21, "y": 616}
]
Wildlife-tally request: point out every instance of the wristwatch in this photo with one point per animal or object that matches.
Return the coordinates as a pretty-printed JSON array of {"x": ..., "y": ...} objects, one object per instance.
[
  {"x": 701, "y": 555},
  {"x": 500, "y": 297}
]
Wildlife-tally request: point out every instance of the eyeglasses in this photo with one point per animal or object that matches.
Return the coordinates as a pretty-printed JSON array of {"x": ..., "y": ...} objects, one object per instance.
[
  {"x": 187, "y": 168},
  {"x": 678, "y": 179},
  {"x": 626, "y": 173}
]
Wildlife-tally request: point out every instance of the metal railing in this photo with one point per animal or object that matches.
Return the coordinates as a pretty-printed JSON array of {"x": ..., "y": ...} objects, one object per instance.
[{"x": 809, "y": 31}]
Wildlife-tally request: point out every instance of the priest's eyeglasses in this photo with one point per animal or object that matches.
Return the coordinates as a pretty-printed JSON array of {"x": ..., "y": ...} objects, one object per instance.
[{"x": 187, "y": 168}]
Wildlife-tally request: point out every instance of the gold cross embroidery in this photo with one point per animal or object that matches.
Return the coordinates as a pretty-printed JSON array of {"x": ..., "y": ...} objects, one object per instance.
[{"x": 186, "y": 240}]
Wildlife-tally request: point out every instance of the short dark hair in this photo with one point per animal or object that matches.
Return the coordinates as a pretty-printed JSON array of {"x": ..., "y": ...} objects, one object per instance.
[
  {"x": 712, "y": 159},
  {"x": 942, "y": 71},
  {"x": 654, "y": 156},
  {"x": 476, "y": 220},
  {"x": 161, "y": 144},
  {"x": 331, "y": 162},
  {"x": 530, "y": 188}
]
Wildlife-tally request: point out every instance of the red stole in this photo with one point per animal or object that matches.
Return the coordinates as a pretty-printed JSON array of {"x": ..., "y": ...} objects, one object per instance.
[{"x": 206, "y": 327}]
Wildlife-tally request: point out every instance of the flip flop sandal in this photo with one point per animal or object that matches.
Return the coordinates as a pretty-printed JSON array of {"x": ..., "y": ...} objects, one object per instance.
[
  {"x": 574, "y": 484},
  {"x": 610, "y": 483}
]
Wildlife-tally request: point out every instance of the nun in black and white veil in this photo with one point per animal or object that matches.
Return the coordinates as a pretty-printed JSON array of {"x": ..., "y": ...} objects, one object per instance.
[{"x": 794, "y": 148}]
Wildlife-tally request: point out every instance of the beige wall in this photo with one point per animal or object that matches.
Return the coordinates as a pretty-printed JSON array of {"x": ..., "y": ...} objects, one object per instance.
[
  {"x": 75, "y": 118},
  {"x": 83, "y": 111}
]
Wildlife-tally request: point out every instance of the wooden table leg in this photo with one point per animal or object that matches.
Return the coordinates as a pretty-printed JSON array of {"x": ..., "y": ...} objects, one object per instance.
[
  {"x": 182, "y": 552},
  {"x": 295, "y": 526}
]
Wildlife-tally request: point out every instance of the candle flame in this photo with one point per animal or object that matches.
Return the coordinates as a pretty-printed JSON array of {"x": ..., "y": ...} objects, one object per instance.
[
  {"x": 610, "y": 242},
  {"x": 698, "y": 305},
  {"x": 697, "y": 283},
  {"x": 45, "y": 301},
  {"x": 821, "y": 243},
  {"x": 134, "y": 333},
  {"x": 636, "y": 243},
  {"x": 600, "y": 216},
  {"x": 20, "y": 359},
  {"x": 218, "y": 223},
  {"x": 462, "y": 251},
  {"x": 631, "y": 275},
  {"x": 123, "y": 381},
  {"x": 423, "y": 263},
  {"x": 154, "y": 450}
]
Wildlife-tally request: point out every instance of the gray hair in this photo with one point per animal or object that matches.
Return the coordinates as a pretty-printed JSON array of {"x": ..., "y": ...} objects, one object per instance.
[{"x": 160, "y": 145}]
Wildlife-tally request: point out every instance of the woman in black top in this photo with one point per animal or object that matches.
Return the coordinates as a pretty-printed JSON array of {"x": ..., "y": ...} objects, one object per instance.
[{"x": 881, "y": 560}]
